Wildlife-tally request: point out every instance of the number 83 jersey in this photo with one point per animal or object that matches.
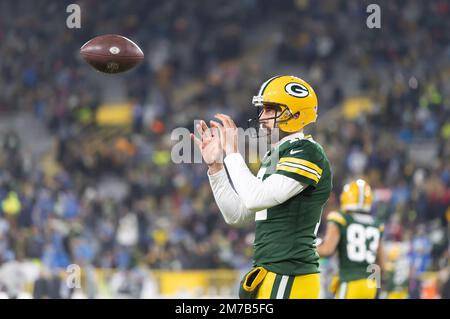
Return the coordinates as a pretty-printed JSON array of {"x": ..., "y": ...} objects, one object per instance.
[{"x": 358, "y": 245}]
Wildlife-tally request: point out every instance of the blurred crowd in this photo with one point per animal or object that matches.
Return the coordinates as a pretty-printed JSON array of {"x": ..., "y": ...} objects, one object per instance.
[{"x": 116, "y": 200}]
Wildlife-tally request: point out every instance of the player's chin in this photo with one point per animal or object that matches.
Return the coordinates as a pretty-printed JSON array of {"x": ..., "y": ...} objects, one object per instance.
[
  {"x": 270, "y": 130},
  {"x": 266, "y": 130}
]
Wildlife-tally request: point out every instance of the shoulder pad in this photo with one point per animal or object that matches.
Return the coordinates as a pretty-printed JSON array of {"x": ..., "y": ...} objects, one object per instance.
[{"x": 337, "y": 218}]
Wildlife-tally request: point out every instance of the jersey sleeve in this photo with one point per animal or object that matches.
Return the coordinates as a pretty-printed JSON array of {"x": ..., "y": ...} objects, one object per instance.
[
  {"x": 302, "y": 163},
  {"x": 337, "y": 218}
]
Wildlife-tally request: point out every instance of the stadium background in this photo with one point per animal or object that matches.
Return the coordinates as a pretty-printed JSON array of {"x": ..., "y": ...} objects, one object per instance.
[{"x": 86, "y": 176}]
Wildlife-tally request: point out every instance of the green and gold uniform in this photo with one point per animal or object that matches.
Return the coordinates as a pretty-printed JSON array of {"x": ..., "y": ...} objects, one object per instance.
[
  {"x": 360, "y": 236},
  {"x": 397, "y": 278},
  {"x": 285, "y": 234}
]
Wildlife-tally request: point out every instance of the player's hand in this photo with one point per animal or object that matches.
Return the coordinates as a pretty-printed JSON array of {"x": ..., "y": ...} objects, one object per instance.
[
  {"x": 228, "y": 133},
  {"x": 210, "y": 146}
]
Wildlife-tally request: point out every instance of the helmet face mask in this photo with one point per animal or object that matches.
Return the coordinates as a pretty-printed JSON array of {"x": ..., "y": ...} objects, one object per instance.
[{"x": 281, "y": 112}]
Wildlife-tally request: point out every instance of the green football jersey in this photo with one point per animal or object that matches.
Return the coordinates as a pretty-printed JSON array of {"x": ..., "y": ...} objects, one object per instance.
[
  {"x": 358, "y": 245},
  {"x": 285, "y": 234}
]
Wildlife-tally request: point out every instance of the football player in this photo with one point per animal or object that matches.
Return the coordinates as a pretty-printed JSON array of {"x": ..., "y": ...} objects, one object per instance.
[
  {"x": 286, "y": 197},
  {"x": 356, "y": 237},
  {"x": 397, "y": 271}
]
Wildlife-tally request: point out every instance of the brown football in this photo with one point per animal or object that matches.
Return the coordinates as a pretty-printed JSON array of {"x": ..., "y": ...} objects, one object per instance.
[{"x": 112, "y": 53}]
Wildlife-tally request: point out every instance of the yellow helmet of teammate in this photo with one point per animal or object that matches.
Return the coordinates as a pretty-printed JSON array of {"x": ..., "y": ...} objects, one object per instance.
[
  {"x": 356, "y": 196},
  {"x": 394, "y": 252},
  {"x": 295, "y": 98}
]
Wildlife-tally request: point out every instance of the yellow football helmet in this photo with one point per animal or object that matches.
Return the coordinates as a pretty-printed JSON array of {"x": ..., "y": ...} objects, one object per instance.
[
  {"x": 295, "y": 98},
  {"x": 356, "y": 196}
]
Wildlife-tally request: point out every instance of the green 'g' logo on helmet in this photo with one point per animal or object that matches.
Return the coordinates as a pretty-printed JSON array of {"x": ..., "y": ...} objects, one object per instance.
[{"x": 296, "y": 89}]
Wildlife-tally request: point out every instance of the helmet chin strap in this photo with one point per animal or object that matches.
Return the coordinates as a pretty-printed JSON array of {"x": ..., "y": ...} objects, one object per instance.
[
  {"x": 275, "y": 122},
  {"x": 292, "y": 116}
]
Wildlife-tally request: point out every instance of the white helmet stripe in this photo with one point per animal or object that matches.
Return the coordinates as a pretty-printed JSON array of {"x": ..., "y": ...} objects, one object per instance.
[
  {"x": 264, "y": 85},
  {"x": 361, "y": 186}
]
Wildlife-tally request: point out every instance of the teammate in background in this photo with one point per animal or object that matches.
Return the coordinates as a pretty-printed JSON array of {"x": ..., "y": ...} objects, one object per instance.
[
  {"x": 286, "y": 197},
  {"x": 397, "y": 271},
  {"x": 356, "y": 237}
]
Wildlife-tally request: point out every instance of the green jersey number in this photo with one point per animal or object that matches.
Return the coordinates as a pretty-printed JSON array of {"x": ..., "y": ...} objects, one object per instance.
[{"x": 357, "y": 238}]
